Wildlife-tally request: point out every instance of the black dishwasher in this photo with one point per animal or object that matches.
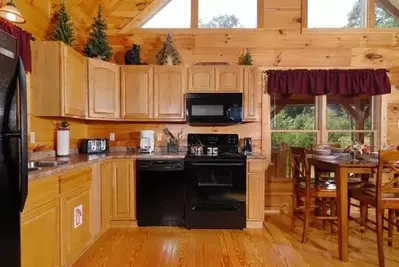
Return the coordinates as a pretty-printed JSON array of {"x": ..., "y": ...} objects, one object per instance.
[{"x": 161, "y": 192}]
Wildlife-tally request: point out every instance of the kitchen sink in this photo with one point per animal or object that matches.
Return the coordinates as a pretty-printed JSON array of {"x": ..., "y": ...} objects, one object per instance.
[{"x": 36, "y": 165}]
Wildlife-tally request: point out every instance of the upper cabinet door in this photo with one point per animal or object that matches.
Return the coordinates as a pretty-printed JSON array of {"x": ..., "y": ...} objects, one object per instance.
[
  {"x": 229, "y": 79},
  {"x": 137, "y": 92},
  {"x": 252, "y": 94},
  {"x": 169, "y": 88},
  {"x": 74, "y": 71},
  {"x": 104, "y": 89},
  {"x": 201, "y": 79}
]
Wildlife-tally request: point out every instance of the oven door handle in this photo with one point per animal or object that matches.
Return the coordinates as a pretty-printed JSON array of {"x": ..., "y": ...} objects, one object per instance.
[{"x": 218, "y": 164}]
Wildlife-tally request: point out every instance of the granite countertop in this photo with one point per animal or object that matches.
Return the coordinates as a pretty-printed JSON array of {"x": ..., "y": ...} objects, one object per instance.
[{"x": 83, "y": 161}]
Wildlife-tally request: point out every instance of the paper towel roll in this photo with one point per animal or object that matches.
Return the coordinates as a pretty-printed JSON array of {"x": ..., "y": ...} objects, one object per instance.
[{"x": 63, "y": 143}]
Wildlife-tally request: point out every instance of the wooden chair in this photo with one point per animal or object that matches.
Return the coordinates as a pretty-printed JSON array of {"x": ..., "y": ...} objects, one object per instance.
[
  {"x": 383, "y": 195},
  {"x": 306, "y": 189}
]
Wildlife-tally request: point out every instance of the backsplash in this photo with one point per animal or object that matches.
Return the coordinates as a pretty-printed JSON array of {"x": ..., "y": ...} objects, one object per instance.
[{"x": 128, "y": 134}]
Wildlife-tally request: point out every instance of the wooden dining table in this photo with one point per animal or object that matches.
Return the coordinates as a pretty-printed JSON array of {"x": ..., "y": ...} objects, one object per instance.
[{"x": 342, "y": 168}]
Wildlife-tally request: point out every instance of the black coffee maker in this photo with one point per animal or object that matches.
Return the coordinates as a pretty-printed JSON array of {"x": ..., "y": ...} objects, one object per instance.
[{"x": 247, "y": 149}]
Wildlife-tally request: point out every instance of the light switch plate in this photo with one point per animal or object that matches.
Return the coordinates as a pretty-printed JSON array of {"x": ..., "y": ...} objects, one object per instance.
[
  {"x": 32, "y": 137},
  {"x": 159, "y": 137},
  {"x": 112, "y": 137}
]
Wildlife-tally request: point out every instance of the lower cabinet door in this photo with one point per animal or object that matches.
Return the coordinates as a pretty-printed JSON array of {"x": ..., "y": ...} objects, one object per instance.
[
  {"x": 76, "y": 222},
  {"x": 106, "y": 193},
  {"x": 40, "y": 236},
  {"x": 124, "y": 191}
]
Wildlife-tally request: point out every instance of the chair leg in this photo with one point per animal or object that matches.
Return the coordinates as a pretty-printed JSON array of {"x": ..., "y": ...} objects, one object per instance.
[
  {"x": 306, "y": 221},
  {"x": 324, "y": 210},
  {"x": 397, "y": 221},
  {"x": 333, "y": 206},
  {"x": 363, "y": 217},
  {"x": 380, "y": 239},
  {"x": 294, "y": 207},
  {"x": 391, "y": 218}
]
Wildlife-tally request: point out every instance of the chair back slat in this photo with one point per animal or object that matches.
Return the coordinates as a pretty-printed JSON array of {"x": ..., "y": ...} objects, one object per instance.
[
  {"x": 388, "y": 166},
  {"x": 299, "y": 165}
]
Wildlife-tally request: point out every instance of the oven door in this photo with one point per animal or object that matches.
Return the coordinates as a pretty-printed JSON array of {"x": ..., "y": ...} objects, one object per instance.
[
  {"x": 223, "y": 108},
  {"x": 216, "y": 181}
]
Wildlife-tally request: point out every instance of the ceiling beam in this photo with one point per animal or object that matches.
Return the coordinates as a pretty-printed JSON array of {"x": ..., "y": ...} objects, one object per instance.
[{"x": 145, "y": 15}]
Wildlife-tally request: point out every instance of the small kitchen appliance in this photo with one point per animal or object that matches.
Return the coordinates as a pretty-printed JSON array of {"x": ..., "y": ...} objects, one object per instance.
[
  {"x": 94, "y": 145},
  {"x": 216, "y": 182},
  {"x": 147, "y": 141}
]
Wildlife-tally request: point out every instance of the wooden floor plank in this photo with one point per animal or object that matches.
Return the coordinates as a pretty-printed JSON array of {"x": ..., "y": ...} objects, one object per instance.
[{"x": 273, "y": 246}]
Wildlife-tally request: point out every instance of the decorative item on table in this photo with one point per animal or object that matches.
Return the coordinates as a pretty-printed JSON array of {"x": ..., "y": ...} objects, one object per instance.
[
  {"x": 357, "y": 149},
  {"x": 245, "y": 58},
  {"x": 63, "y": 30},
  {"x": 323, "y": 152},
  {"x": 132, "y": 56},
  {"x": 168, "y": 55},
  {"x": 63, "y": 139},
  {"x": 97, "y": 46}
]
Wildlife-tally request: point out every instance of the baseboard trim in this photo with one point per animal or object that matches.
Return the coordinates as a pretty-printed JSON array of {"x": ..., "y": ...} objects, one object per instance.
[
  {"x": 254, "y": 224},
  {"x": 115, "y": 224}
]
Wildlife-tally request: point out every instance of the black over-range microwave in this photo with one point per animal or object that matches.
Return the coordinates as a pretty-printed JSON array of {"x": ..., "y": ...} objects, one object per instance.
[{"x": 214, "y": 108}]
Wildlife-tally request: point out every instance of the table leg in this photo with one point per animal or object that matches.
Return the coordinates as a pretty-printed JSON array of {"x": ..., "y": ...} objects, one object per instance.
[{"x": 342, "y": 201}]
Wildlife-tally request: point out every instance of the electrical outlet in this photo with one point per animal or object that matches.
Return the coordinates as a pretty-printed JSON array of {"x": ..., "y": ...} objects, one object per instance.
[
  {"x": 159, "y": 137},
  {"x": 112, "y": 137},
  {"x": 32, "y": 137}
]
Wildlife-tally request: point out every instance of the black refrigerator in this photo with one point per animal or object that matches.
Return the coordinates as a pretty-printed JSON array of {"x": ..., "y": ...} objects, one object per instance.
[{"x": 13, "y": 149}]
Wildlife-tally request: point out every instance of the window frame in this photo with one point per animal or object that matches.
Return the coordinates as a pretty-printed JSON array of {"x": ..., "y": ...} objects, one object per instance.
[
  {"x": 195, "y": 19},
  {"x": 369, "y": 22}
]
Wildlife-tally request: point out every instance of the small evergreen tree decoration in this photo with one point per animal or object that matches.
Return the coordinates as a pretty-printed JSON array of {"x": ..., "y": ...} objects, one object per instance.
[
  {"x": 245, "y": 58},
  {"x": 64, "y": 28},
  {"x": 168, "y": 55},
  {"x": 97, "y": 45}
]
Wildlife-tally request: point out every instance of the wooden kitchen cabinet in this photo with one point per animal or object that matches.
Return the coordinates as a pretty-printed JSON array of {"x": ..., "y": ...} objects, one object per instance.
[
  {"x": 137, "y": 92},
  {"x": 40, "y": 224},
  {"x": 106, "y": 194},
  {"x": 124, "y": 191},
  {"x": 229, "y": 79},
  {"x": 201, "y": 79},
  {"x": 170, "y": 83},
  {"x": 75, "y": 213},
  {"x": 104, "y": 89},
  {"x": 252, "y": 96},
  {"x": 59, "y": 80},
  {"x": 255, "y": 192}
]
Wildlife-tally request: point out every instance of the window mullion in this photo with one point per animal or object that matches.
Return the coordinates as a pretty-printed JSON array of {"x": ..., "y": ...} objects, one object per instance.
[{"x": 321, "y": 118}]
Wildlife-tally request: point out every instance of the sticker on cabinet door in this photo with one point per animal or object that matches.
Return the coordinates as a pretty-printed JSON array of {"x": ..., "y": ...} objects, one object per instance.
[{"x": 77, "y": 216}]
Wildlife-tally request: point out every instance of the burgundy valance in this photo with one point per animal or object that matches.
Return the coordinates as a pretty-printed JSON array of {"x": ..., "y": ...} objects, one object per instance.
[
  {"x": 23, "y": 38},
  {"x": 325, "y": 82}
]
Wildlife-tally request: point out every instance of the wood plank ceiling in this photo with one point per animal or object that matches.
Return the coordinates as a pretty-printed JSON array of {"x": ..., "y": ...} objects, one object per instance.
[{"x": 122, "y": 15}]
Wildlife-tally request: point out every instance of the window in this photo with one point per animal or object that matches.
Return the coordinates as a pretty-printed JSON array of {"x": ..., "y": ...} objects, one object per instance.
[
  {"x": 304, "y": 120},
  {"x": 176, "y": 14},
  {"x": 386, "y": 17},
  {"x": 349, "y": 119},
  {"x": 337, "y": 13},
  {"x": 227, "y": 13}
]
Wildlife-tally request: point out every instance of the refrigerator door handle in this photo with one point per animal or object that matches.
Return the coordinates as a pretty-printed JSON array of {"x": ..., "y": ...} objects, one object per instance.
[{"x": 23, "y": 113}]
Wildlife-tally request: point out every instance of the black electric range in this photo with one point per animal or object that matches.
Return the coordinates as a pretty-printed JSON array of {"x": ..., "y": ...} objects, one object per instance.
[{"x": 216, "y": 182}]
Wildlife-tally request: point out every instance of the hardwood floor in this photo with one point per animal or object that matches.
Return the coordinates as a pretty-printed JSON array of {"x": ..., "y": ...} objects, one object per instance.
[{"x": 272, "y": 246}]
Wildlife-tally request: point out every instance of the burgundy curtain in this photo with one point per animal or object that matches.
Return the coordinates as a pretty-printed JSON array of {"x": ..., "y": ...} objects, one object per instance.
[
  {"x": 23, "y": 38},
  {"x": 325, "y": 82}
]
